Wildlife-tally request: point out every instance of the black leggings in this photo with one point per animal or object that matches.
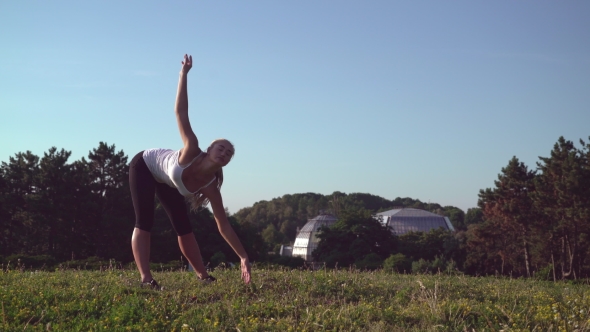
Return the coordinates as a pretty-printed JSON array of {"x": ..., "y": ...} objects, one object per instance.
[{"x": 143, "y": 187}]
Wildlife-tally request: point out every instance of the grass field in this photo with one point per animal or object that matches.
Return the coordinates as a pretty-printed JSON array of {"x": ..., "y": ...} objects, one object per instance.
[{"x": 287, "y": 300}]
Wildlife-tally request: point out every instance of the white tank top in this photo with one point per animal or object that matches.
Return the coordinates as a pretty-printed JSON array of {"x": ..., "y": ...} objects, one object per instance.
[{"x": 163, "y": 163}]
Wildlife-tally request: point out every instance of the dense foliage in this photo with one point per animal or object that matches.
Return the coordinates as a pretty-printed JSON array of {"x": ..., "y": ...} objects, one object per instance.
[
  {"x": 533, "y": 223},
  {"x": 357, "y": 238},
  {"x": 66, "y": 210},
  {"x": 535, "y": 220},
  {"x": 69, "y": 211},
  {"x": 279, "y": 219}
]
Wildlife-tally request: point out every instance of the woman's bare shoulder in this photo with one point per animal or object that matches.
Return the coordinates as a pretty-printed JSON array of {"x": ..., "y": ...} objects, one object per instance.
[{"x": 187, "y": 154}]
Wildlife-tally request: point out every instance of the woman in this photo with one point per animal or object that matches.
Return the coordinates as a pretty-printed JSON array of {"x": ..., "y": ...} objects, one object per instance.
[{"x": 175, "y": 176}]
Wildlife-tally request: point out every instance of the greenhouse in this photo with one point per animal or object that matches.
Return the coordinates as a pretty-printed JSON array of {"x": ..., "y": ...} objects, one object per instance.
[
  {"x": 307, "y": 241},
  {"x": 402, "y": 221}
]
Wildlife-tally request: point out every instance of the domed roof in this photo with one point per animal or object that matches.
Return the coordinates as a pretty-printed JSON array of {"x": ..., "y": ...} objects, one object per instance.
[
  {"x": 402, "y": 221},
  {"x": 314, "y": 224},
  {"x": 306, "y": 240}
]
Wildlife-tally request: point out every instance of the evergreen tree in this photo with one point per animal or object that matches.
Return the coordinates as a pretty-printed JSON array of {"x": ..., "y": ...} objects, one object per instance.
[
  {"x": 51, "y": 205},
  {"x": 510, "y": 206},
  {"x": 112, "y": 224},
  {"x": 19, "y": 176},
  {"x": 562, "y": 196},
  {"x": 489, "y": 250},
  {"x": 473, "y": 216}
]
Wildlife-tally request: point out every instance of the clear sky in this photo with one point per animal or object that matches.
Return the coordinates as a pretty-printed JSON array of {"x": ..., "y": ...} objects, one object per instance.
[{"x": 421, "y": 99}]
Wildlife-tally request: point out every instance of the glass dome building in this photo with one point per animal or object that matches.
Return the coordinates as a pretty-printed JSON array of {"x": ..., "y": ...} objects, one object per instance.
[
  {"x": 402, "y": 221},
  {"x": 306, "y": 240}
]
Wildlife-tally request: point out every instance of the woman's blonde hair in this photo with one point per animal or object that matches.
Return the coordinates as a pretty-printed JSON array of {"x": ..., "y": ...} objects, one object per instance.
[{"x": 198, "y": 201}]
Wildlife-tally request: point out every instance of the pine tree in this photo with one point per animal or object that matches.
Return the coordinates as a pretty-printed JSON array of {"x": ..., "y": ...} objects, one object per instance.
[
  {"x": 562, "y": 196},
  {"x": 510, "y": 205},
  {"x": 112, "y": 224},
  {"x": 19, "y": 176}
]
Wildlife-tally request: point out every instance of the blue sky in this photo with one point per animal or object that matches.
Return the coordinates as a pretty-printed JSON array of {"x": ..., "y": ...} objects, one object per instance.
[{"x": 425, "y": 99}]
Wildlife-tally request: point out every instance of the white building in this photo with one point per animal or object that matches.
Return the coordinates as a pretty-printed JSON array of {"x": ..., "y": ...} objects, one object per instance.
[{"x": 306, "y": 240}]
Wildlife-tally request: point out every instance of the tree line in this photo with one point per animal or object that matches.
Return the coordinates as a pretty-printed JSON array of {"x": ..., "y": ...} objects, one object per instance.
[
  {"x": 536, "y": 220},
  {"x": 279, "y": 219},
  {"x": 62, "y": 211},
  {"x": 532, "y": 222}
]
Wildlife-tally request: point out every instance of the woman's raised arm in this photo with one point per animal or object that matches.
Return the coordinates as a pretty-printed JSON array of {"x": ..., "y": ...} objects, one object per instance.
[{"x": 189, "y": 139}]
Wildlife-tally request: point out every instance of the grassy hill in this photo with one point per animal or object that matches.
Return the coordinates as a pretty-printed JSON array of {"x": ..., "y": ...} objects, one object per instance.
[{"x": 287, "y": 300}]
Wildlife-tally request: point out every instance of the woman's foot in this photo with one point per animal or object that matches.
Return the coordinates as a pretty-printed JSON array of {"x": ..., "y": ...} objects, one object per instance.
[
  {"x": 209, "y": 279},
  {"x": 153, "y": 284}
]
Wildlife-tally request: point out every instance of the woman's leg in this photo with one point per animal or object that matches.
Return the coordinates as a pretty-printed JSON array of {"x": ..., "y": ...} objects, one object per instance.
[
  {"x": 175, "y": 206},
  {"x": 143, "y": 188},
  {"x": 190, "y": 249},
  {"x": 140, "y": 243}
]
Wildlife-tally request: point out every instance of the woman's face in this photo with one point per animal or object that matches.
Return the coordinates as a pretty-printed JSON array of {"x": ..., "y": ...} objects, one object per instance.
[{"x": 221, "y": 152}]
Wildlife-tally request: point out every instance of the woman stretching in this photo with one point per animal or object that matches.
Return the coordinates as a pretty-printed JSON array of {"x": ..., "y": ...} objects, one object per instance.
[{"x": 175, "y": 176}]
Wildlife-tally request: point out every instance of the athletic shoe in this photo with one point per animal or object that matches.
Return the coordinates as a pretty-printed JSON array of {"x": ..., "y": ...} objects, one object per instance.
[
  {"x": 207, "y": 280},
  {"x": 153, "y": 284}
]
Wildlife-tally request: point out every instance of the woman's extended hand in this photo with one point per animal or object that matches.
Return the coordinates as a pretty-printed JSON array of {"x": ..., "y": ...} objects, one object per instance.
[
  {"x": 187, "y": 64},
  {"x": 245, "y": 264}
]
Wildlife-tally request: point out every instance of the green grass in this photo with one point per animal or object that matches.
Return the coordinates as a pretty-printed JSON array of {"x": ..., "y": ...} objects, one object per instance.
[{"x": 287, "y": 300}]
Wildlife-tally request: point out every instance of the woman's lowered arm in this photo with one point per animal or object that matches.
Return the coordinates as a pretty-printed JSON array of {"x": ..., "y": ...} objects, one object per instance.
[{"x": 227, "y": 231}]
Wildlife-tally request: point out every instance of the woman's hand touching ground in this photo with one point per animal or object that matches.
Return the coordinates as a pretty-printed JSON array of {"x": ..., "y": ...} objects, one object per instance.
[{"x": 245, "y": 265}]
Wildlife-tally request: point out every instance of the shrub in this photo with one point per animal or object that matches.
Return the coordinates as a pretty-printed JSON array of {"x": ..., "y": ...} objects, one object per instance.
[
  {"x": 337, "y": 259},
  {"x": 421, "y": 266},
  {"x": 452, "y": 268},
  {"x": 91, "y": 263},
  {"x": 169, "y": 266},
  {"x": 545, "y": 273},
  {"x": 397, "y": 263},
  {"x": 371, "y": 261},
  {"x": 217, "y": 259},
  {"x": 30, "y": 262},
  {"x": 292, "y": 262},
  {"x": 439, "y": 264}
]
